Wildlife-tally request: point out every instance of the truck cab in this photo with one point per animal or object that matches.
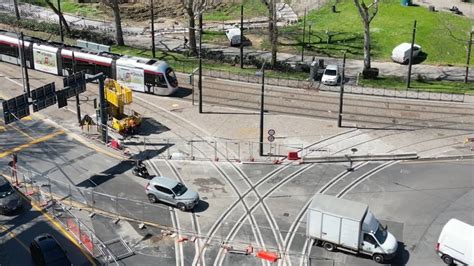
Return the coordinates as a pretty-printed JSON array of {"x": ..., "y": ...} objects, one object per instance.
[{"x": 376, "y": 240}]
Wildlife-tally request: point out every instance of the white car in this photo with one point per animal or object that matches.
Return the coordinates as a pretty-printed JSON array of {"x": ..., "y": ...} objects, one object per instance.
[
  {"x": 456, "y": 243},
  {"x": 330, "y": 75}
]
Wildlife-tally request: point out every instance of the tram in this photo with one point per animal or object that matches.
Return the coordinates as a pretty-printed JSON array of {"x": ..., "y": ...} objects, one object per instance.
[{"x": 139, "y": 74}]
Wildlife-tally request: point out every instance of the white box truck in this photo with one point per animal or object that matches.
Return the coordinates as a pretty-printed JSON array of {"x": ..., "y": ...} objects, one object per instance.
[
  {"x": 338, "y": 223},
  {"x": 455, "y": 243}
]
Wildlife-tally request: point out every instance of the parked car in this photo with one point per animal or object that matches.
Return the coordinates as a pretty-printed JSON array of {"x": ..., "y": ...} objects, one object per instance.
[
  {"x": 401, "y": 53},
  {"x": 331, "y": 75},
  {"x": 45, "y": 250},
  {"x": 10, "y": 199},
  {"x": 455, "y": 243},
  {"x": 348, "y": 225},
  {"x": 172, "y": 192}
]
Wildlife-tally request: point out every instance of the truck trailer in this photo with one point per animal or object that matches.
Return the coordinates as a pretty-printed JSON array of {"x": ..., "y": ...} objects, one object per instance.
[{"x": 337, "y": 223}]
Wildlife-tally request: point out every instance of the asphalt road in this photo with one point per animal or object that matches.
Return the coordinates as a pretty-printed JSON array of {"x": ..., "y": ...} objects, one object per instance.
[
  {"x": 19, "y": 229},
  {"x": 242, "y": 204}
]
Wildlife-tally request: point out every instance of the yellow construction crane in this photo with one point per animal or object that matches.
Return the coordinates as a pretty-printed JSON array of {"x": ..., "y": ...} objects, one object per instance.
[{"x": 118, "y": 96}]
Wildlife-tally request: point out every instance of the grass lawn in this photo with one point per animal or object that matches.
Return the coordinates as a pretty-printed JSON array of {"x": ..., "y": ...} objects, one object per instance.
[
  {"x": 424, "y": 85},
  {"x": 185, "y": 64},
  {"x": 442, "y": 35},
  {"x": 252, "y": 8}
]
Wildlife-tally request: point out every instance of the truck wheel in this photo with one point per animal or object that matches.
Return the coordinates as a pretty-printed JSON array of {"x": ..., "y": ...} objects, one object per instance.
[
  {"x": 447, "y": 259},
  {"x": 378, "y": 258},
  {"x": 329, "y": 246}
]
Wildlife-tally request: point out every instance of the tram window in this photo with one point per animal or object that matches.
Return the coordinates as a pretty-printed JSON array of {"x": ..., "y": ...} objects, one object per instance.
[
  {"x": 107, "y": 70},
  {"x": 9, "y": 50},
  {"x": 67, "y": 63},
  {"x": 85, "y": 66},
  {"x": 160, "y": 81}
]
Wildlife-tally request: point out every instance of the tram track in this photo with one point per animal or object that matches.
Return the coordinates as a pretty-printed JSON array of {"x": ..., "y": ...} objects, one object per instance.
[
  {"x": 175, "y": 223},
  {"x": 194, "y": 219}
]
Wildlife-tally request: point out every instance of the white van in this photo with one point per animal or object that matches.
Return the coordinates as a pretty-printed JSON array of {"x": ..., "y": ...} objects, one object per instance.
[
  {"x": 401, "y": 53},
  {"x": 455, "y": 243}
]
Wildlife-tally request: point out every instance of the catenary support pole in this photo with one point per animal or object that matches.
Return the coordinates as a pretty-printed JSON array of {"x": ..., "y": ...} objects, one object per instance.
[
  {"x": 341, "y": 94},
  {"x": 23, "y": 58},
  {"x": 241, "y": 36},
  {"x": 153, "y": 51},
  {"x": 411, "y": 55},
  {"x": 78, "y": 103},
  {"x": 60, "y": 22},
  {"x": 304, "y": 31},
  {"x": 200, "y": 63},
  {"x": 262, "y": 96}
]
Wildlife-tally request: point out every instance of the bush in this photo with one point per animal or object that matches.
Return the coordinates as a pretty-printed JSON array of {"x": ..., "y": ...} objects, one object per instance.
[{"x": 84, "y": 34}]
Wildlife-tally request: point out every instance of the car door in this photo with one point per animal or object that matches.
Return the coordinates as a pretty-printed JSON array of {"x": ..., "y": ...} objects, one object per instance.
[
  {"x": 369, "y": 244},
  {"x": 165, "y": 194}
]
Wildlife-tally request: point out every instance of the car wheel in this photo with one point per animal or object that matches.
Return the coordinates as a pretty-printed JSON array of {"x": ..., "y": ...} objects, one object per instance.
[
  {"x": 447, "y": 259},
  {"x": 378, "y": 258},
  {"x": 329, "y": 246},
  {"x": 152, "y": 198},
  {"x": 182, "y": 207}
]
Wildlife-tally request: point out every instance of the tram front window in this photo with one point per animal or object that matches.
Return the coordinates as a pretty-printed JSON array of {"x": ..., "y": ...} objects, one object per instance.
[{"x": 171, "y": 77}]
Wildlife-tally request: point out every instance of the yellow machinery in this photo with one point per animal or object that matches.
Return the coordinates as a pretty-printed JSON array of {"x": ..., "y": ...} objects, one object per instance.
[{"x": 118, "y": 96}]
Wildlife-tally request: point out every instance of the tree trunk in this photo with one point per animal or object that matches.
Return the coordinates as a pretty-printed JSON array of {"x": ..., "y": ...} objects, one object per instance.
[
  {"x": 118, "y": 23},
  {"x": 366, "y": 45},
  {"x": 17, "y": 11},
  {"x": 61, "y": 17},
  {"x": 192, "y": 34}
]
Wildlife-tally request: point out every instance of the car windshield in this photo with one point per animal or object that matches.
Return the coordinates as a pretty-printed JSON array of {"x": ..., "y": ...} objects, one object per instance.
[
  {"x": 179, "y": 189},
  {"x": 54, "y": 255},
  {"x": 381, "y": 234},
  {"x": 6, "y": 190},
  {"x": 330, "y": 72}
]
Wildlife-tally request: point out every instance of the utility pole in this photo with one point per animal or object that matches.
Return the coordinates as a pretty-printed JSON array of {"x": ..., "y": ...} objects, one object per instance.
[
  {"x": 200, "y": 63},
  {"x": 152, "y": 29},
  {"x": 262, "y": 94},
  {"x": 78, "y": 105},
  {"x": 23, "y": 60},
  {"x": 341, "y": 94},
  {"x": 411, "y": 55},
  {"x": 468, "y": 56},
  {"x": 242, "y": 36},
  {"x": 103, "y": 109},
  {"x": 60, "y": 22},
  {"x": 304, "y": 31}
]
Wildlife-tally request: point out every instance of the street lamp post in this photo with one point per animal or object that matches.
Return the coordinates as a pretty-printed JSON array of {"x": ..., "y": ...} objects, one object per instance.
[{"x": 261, "y": 73}]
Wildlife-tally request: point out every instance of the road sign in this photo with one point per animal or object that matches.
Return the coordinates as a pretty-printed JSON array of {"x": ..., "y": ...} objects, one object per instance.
[
  {"x": 44, "y": 91},
  {"x": 62, "y": 98},
  {"x": 42, "y": 103},
  {"x": 15, "y": 108},
  {"x": 271, "y": 132},
  {"x": 271, "y": 138},
  {"x": 10, "y": 116},
  {"x": 76, "y": 81}
]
